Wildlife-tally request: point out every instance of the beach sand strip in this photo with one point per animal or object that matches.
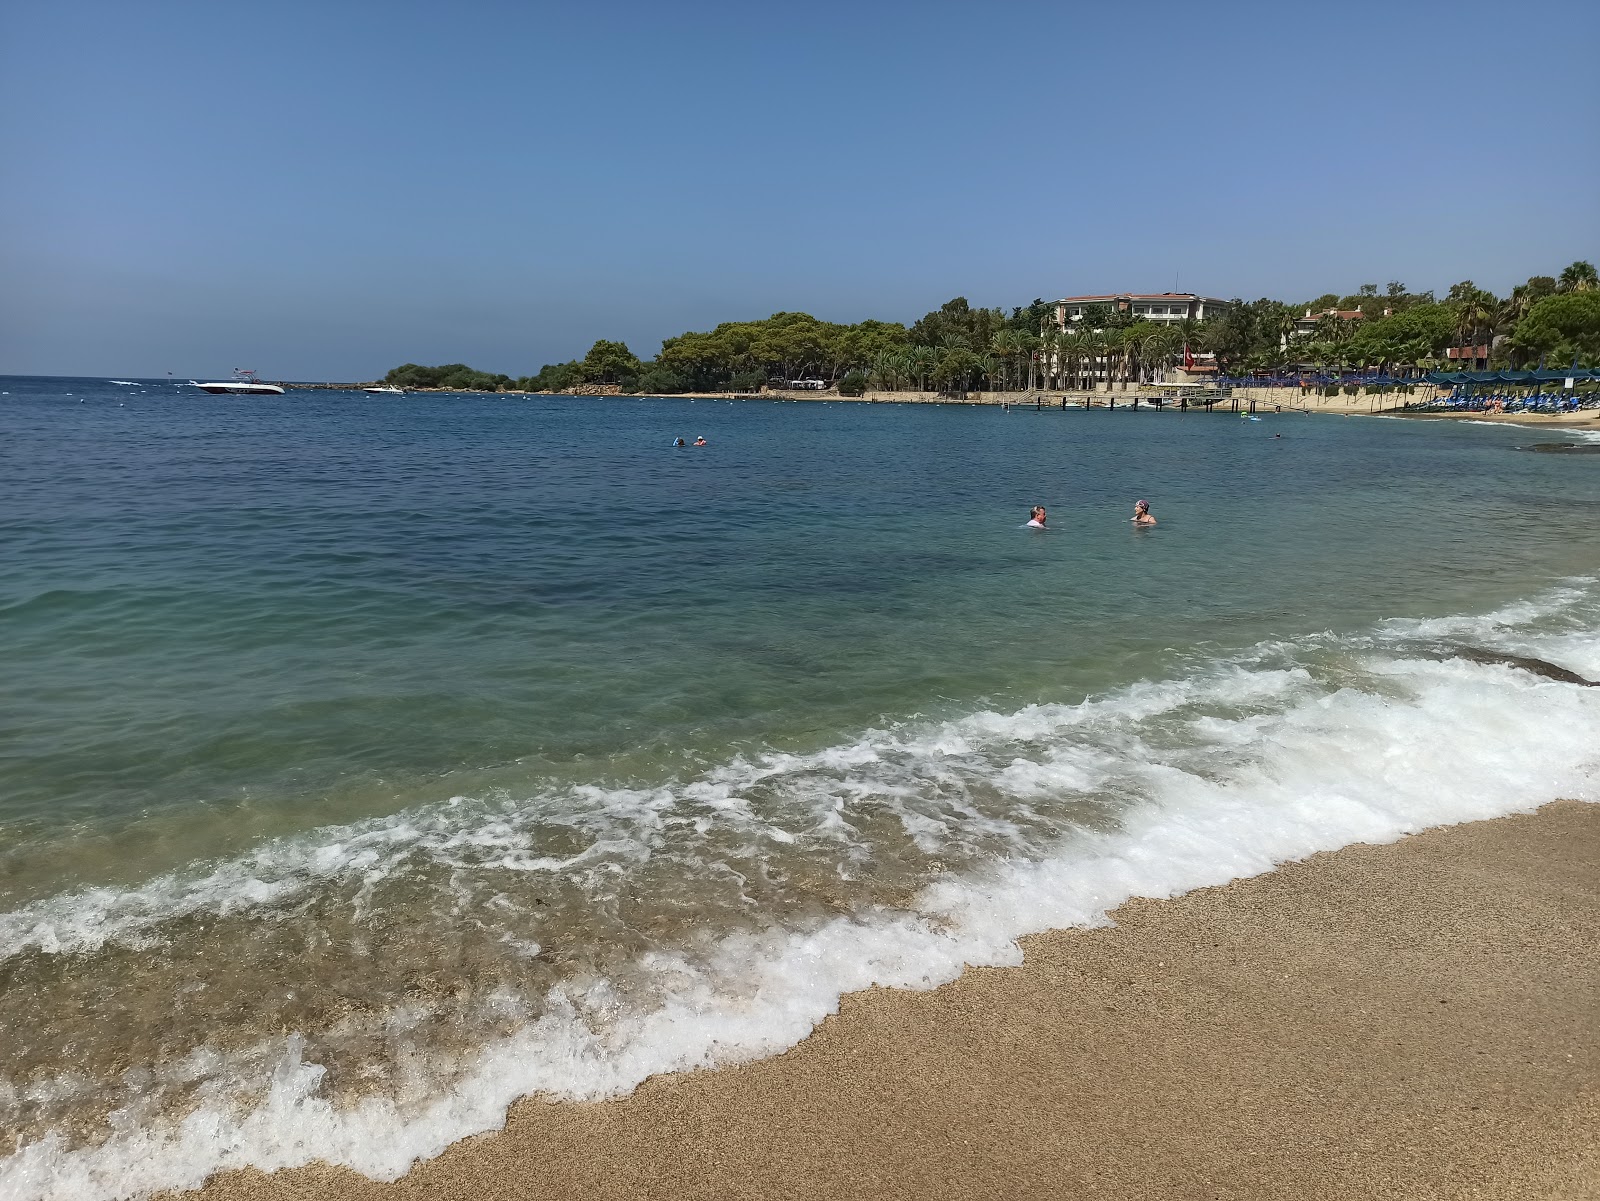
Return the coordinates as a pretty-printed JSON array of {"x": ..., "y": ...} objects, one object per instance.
[{"x": 1418, "y": 1020}]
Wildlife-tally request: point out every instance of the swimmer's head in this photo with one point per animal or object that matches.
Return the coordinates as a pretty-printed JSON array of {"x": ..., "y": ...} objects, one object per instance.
[
  {"x": 1037, "y": 512},
  {"x": 1141, "y": 506}
]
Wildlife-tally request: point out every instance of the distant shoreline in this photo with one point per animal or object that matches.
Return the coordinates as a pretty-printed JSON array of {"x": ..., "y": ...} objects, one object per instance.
[{"x": 1268, "y": 401}]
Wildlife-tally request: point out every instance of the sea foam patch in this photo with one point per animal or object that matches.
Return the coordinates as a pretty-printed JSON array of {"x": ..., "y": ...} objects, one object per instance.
[{"x": 1046, "y": 817}]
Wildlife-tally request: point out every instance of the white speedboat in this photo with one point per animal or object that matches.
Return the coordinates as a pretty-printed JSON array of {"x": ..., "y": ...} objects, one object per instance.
[
  {"x": 386, "y": 390},
  {"x": 243, "y": 383}
]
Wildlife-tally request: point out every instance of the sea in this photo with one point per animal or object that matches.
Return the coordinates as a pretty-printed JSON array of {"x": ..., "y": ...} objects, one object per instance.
[{"x": 370, "y": 762}]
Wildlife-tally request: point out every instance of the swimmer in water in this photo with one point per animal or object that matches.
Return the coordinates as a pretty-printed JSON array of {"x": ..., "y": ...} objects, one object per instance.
[
  {"x": 679, "y": 442},
  {"x": 1141, "y": 513},
  {"x": 1036, "y": 517},
  {"x": 701, "y": 441}
]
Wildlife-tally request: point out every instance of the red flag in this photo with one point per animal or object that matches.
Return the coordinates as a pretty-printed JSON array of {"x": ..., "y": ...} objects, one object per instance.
[{"x": 1188, "y": 359}]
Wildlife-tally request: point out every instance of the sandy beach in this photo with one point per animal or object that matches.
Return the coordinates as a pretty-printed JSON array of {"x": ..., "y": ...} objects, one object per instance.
[{"x": 1413, "y": 1020}]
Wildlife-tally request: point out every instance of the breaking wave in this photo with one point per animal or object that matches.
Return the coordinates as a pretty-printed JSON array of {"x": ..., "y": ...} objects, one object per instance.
[{"x": 572, "y": 942}]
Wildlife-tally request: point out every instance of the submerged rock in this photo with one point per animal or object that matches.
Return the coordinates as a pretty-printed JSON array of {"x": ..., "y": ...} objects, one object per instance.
[
  {"x": 1564, "y": 448},
  {"x": 1538, "y": 667}
]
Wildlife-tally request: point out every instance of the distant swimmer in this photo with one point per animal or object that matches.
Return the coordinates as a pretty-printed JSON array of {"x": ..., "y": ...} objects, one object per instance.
[
  {"x": 701, "y": 441},
  {"x": 1141, "y": 513},
  {"x": 1036, "y": 518},
  {"x": 679, "y": 442}
]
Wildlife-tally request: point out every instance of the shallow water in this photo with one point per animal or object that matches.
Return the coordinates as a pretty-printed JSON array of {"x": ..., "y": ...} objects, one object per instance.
[{"x": 370, "y": 761}]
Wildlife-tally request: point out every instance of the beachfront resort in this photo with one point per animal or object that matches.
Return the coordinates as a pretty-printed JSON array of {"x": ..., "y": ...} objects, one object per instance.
[{"x": 1467, "y": 348}]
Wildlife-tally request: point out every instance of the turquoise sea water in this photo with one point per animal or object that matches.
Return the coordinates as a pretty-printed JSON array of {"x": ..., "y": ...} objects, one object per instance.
[{"x": 367, "y": 761}]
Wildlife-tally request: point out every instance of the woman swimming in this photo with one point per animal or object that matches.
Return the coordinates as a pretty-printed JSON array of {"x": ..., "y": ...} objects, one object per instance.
[
  {"x": 1141, "y": 513},
  {"x": 1036, "y": 518}
]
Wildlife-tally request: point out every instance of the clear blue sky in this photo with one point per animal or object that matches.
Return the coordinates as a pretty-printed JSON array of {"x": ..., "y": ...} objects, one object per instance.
[{"x": 324, "y": 190}]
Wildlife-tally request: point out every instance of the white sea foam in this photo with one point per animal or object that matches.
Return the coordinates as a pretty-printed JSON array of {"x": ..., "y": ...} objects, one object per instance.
[
  {"x": 1562, "y": 431},
  {"x": 1277, "y": 763}
]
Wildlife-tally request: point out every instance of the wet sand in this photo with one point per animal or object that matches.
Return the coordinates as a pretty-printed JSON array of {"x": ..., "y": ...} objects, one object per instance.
[{"x": 1419, "y": 1020}]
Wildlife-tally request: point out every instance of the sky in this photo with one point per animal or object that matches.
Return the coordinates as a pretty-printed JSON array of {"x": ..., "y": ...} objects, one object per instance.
[{"x": 326, "y": 190}]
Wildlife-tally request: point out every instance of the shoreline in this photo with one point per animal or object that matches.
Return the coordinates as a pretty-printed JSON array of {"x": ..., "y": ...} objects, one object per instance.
[
  {"x": 1269, "y": 402},
  {"x": 1412, "y": 1019},
  {"x": 1584, "y": 419}
]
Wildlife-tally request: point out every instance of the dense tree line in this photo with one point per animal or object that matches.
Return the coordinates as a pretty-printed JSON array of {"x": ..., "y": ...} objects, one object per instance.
[
  {"x": 958, "y": 347},
  {"x": 456, "y": 377}
]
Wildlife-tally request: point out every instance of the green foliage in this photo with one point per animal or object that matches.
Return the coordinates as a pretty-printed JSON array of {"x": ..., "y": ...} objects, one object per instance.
[
  {"x": 744, "y": 355},
  {"x": 1096, "y": 316},
  {"x": 553, "y": 377},
  {"x": 956, "y": 323},
  {"x": 656, "y": 380},
  {"x": 1428, "y": 327},
  {"x": 955, "y": 370},
  {"x": 610, "y": 363},
  {"x": 1579, "y": 277},
  {"x": 1561, "y": 326},
  {"x": 854, "y": 383},
  {"x": 1540, "y": 286},
  {"x": 453, "y": 377},
  {"x": 1034, "y": 319},
  {"x": 1233, "y": 336}
]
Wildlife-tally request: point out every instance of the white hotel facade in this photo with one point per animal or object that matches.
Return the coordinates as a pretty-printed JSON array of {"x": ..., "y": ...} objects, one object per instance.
[{"x": 1166, "y": 307}]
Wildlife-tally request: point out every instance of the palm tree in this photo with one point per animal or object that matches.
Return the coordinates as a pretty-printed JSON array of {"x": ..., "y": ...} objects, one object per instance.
[
  {"x": 1579, "y": 277},
  {"x": 1079, "y": 347},
  {"x": 1028, "y": 346},
  {"x": 1102, "y": 346},
  {"x": 1189, "y": 330},
  {"x": 1160, "y": 348},
  {"x": 1284, "y": 327},
  {"x": 1476, "y": 317},
  {"x": 1132, "y": 347},
  {"x": 1060, "y": 360},
  {"x": 1520, "y": 302},
  {"x": 954, "y": 370},
  {"x": 1003, "y": 348},
  {"x": 889, "y": 371},
  {"x": 1050, "y": 357},
  {"x": 1332, "y": 329}
]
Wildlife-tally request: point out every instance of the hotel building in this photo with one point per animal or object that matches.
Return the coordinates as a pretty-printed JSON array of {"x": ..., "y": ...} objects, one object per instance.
[{"x": 1166, "y": 307}]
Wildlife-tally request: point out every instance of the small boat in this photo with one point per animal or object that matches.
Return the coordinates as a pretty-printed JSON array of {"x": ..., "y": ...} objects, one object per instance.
[
  {"x": 243, "y": 383},
  {"x": 386, "y": 390}
]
